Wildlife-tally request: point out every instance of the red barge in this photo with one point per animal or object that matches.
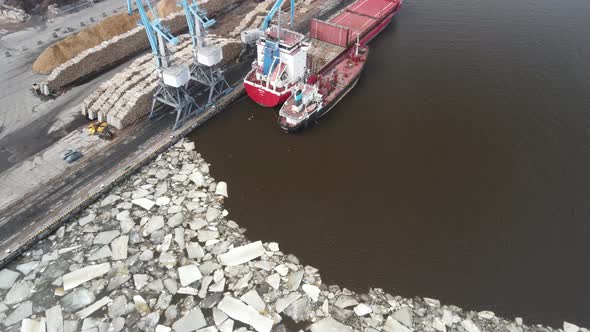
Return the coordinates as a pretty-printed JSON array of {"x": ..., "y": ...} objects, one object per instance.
[{"x": 320, "y": 70}]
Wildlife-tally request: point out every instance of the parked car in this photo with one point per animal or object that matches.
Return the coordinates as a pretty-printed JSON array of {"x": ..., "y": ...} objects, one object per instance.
[{"x": 71, "y": 156}]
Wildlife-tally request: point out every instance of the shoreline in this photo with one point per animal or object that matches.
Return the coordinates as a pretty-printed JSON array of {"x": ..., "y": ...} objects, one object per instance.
[{"x": 159, "y": 251}]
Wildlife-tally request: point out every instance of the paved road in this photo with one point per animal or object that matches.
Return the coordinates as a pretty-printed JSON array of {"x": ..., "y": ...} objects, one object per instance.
[{"x": 29, "y": 124}]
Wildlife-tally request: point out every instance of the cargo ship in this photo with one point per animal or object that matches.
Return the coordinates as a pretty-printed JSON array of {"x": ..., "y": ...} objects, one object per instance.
[
  {"x": 286, "y": 61},
  {"x": 337, "y": 56}
]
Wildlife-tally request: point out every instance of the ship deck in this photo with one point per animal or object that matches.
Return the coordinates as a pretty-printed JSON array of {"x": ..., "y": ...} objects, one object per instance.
[
  {"x": 321, "y": 53},
  {"x": 373, "y": 8}
]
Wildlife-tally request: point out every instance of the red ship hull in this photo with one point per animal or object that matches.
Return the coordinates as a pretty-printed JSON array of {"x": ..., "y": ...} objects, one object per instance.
[
  {"x": 266, "y": 98},
  {"x": 366, "y": 18}
]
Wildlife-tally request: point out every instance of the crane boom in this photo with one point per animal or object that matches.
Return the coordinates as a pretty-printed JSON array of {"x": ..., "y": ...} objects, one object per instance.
[
  {"x": 153, "y": 28},
  {"x": 193, "y": 14},
  {"x": 273, "y": 11},
  {"x": 173, "y": 78}
]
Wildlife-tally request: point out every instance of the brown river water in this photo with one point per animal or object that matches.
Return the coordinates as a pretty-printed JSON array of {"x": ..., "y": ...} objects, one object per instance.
[{"x": 457, "y": 169}]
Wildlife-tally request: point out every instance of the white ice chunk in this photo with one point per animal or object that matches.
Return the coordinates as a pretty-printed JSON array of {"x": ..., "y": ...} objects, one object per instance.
[
  {"x": 189, "y": 274},
  {"x": 155, "y": 223},
  {"x": 392, "y": 325},
  {"x": 194, "y": 320},
  {"x": 238, "y": 310},
  {"x": 569, "y": 327},
  {"x": 80, "y": 276},
  {"x": 162, "y": 328},
  {"x": 54, "y": 319},
  {"x": 187, "y": 291},
  {"x": 7, "y": 278},
  {"x": 26, "y": 268},
  {"x": 106, "y": 237},
  {"x": 221, "y": 189},
  {"x": 140, "y": 280},
  {"x": 33, "y": 325},
  {"x": 286, "y": 301},
  {"x": 312, "y": 291},
  {"x": 362, "y": 310},
  {"x": 470, "y": 326},
  {"x": 144, "y": 203},
  {"x": 93, "y": 307},
  {"x": 274, "y": 280},
  {"x": 243, "y": 254},
  {"x": 329, "y": 324},
  {"x": 119, "y": 247},
  {"x": 253, "y": 299}
]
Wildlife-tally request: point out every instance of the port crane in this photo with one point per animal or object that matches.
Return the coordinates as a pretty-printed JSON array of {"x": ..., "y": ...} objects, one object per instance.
[
  {"x": 173, "y": 78},
  {"x": 206, "y": 58},
  {"x": 273, "y": 11},
  {"x": 252, "y": 35}
]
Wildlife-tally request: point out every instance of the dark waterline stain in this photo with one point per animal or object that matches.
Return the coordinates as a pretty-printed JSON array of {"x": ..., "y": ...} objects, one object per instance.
[{"x": 457, "y": 169}]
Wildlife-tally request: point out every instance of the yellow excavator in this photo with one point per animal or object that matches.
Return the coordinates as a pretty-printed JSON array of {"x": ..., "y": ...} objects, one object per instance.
[{"x": 101, "y": 129}]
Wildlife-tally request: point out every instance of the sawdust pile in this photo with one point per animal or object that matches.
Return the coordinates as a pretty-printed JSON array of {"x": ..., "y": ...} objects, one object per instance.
[
  {"x": 71, "y": 46},
  {"x": 167, "y": 7}
]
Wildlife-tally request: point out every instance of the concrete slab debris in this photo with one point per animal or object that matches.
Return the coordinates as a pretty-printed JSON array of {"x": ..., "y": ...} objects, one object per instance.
[
  {"x": 21, "y": 312},
  {"x": 7, "y": 278},
  {"x": 54, "y": 319},
  {"x": 33, "y": 325},
  {"x": 312, "y": 291},
  {"x": 243, "y": 254},
  {"x": 19, "y": 292},
  {"x": 144, "y": 203},
  {"x": 239, "y": 311},
  {"x": 329, "y": 324},
  {"x": 286, "y": 301},
  {"x": 106, "y": 237},
  {"x": 80, "y": 276},
  {"x": 194, "y": 320},
  {"x": 26, "y": 268},
  {"x": 392, "y": 325},
  {"x": 93, "y": 307},
  {"x": 253, "y": 299},
  {"x": 189, "y": 274}
]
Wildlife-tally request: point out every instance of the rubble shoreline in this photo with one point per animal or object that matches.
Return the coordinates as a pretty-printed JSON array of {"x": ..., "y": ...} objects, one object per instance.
[{"x": 160, "y": 253}]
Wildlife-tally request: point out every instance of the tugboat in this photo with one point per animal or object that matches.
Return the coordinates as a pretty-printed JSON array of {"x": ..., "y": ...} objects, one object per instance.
[{"x": 321, "y": 93}]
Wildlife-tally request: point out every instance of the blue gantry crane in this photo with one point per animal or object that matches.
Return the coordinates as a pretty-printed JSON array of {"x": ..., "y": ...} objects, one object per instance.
[
  {"x": 173, "y": 78},
  {"x": 276, "y": 9},
  {"x": 250, "y": 37},
  {"x": 206, "y": 68}
]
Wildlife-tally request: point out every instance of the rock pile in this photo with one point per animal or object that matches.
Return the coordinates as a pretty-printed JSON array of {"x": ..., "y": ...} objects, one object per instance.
[{"x": 159, "y": 253}]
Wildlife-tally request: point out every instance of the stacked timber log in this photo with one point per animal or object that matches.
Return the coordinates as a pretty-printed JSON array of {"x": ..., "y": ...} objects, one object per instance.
[
  {"x": 253, "y": 18},
  {"x": 128, "y": 95},
  {"x": 13, "y": 14},
  {"x": 115, "y": 50}
]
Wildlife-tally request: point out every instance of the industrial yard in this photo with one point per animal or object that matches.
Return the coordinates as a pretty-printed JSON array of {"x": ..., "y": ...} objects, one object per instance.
[{"x": 132, "y": 234}]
